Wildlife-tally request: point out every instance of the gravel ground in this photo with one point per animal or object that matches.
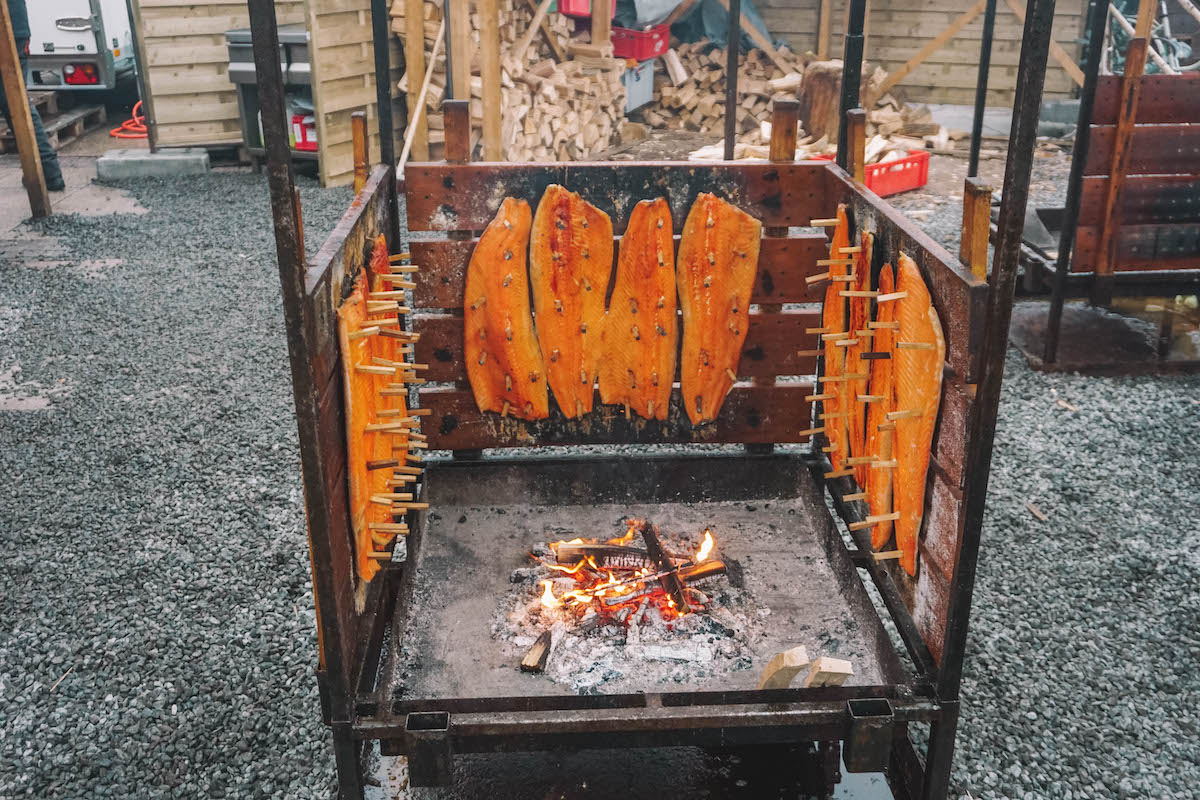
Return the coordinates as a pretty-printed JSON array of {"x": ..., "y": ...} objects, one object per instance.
[{"x": 154, "y": 552}]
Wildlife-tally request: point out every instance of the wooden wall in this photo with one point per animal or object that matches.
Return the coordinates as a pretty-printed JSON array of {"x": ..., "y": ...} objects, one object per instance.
[
  {"x": 186, "y": 66},
  {"x": 897, "y": 29}
]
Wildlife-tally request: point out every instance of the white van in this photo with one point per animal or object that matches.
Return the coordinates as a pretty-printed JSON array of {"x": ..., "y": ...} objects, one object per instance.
[{"x": 79, "y": 44}]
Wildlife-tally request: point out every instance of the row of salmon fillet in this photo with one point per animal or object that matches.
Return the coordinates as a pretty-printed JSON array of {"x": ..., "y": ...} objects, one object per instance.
[
  {"x": 629, "y": 347},
  {"x": 883, "y": 355}
]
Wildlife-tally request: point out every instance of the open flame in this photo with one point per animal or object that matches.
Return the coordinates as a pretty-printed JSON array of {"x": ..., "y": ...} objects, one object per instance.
[
  {"x": 548, "y": 598},
  {"x": 705, "y": 547}
]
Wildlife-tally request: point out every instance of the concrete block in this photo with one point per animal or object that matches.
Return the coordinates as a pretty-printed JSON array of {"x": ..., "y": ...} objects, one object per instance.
[{"x": 171, "y": 163}]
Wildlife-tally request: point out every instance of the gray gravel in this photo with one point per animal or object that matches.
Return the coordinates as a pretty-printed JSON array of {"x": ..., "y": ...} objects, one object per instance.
[{"x": 153, "y": 547}]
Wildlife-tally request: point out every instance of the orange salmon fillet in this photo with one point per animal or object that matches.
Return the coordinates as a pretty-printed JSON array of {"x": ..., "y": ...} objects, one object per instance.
[
  {"x": 879, "y": 443},
  {"x": 504, "y": 364},
  {"x": 363, "y": 401},
  {"x": 379, "y": 264},
  {"x": 570, "y": 261},
  {"x": 641, "y": 334},
  {"x": 833, "y": 320},
  {"x": 718, "y": 261},
  {"x": 918, "y": 382},
  {"x": 860, "y": 313}
]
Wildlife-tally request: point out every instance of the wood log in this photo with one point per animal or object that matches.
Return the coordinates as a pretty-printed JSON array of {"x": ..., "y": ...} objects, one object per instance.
[
  {"x": 783, "y": 668},
  {"x": 535, "y": 660},
  {"x": 827, "y": 671}
]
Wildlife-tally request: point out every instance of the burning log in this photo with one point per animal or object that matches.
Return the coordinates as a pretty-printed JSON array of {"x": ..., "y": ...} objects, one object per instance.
[
  {"x": 535, "y": 660},
  {"x": 609, "y": 556},
  {"x": 670, "y": 581},
  {"x": 686, "y": 575}
]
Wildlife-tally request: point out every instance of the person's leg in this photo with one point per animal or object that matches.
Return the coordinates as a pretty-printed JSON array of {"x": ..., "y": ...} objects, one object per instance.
[{"x": 51, "y": 169}]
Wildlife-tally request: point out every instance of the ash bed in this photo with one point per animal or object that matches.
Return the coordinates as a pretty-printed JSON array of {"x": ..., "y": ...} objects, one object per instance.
[{"x": 412, "y": 659}]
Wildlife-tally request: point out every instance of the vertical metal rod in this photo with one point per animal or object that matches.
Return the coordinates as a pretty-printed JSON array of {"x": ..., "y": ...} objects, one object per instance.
[
  {"x": 985, "y": 63},
  {"x": 851, "y": 75},
  {"x": 381, "y": 39},
  {"x": 1096, "y": 24},
  {"x": 1031, "y": 76},
  {"x": 449, "y": 90},
  {"x": 733, "y": 45}
]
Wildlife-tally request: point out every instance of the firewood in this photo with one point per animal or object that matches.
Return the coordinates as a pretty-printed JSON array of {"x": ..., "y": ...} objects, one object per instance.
[
  {"x": 783, "y": 668},
  {"x": 535, "y": 660},
  {"x": 828, "y": 671}
]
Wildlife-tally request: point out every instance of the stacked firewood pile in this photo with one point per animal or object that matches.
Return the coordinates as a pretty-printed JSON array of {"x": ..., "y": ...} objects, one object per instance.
[{"x": 560, "y": 101}]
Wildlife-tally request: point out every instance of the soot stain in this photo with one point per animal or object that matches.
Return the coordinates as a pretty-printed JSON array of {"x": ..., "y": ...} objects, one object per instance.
[
  {"x": 449, "y": 423},
  {"x": 768, "y": 283},
  {"x": 755, "y": 353},
  {"x": 443, "y": 354},
  {"x": 753, "y": 419},
  {"x": 448, "y": 181}
]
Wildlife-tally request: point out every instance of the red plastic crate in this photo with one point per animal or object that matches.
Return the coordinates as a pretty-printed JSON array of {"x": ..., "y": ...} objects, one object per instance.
[
  {"x": 640, "y": 45},
  {"x": 894, "y": 177},
  {"x": 580, "y": 8}
]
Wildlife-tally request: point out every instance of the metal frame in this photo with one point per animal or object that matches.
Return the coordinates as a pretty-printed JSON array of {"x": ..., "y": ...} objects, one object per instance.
[{"x": 352, "y": 643}]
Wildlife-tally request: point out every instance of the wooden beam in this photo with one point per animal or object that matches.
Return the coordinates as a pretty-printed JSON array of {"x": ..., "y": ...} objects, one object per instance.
[
  {"x": 933, "y": 45},
  {"x": 22, "y": 121},
  {"x": 460, "y": 49},
  {"x": 549, "y": 36},
  {"x": 362, "y": 149},
  {"x": 824, "y": 29},
  {"x": 489, "y": 44},
  {"x": 1060, "y": 55},
  {"x": 783, "y": 668},
  {"x": 762, "y": 42},
  {"x": 522, "y": 45},
  {"x": 602, "y": 22},
  {"x": 418, "y": 121},
  {"x": 976, "y": 221},
  {"x": 414, "y": 60},
  {"x": 856, "y": 120}
]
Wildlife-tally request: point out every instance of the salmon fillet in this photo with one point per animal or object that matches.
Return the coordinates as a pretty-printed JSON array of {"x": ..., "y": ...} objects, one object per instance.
[
  {"x": 379, "y": 264},
  {"x": 918, "y": 383},
  {"x": 860, "y": 313},
  {"x": 641, "y": 333},
  {"x": 504, "y": 364},
  {"x": 718, "y": 261},
  {"x": 879, "y": 443},
  {"x": 833, "y": 320},
  {"x": 364, "y": 400},
  {"x": 570, "y": 261}
]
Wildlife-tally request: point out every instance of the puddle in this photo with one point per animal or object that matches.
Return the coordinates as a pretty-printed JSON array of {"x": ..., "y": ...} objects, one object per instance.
[{"x": 18, "y": 395}]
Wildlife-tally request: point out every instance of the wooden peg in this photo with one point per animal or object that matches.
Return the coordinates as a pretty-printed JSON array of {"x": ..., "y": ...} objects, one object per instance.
[
  {"x": 856, "y": 460},
  {"x": 856, "y": 496},
  {"x": 412, "y": 506},
  {"x": 809, "y": 353},
  {"x": 394, "y": 496},
  {"x": 887, "y": 326},
  {"x": 389, "y": 527},
  {"x": 380, "y": 555},
  {"x": 374, "y": 427},
  {"x": 404, "y": 269},
  {"x": 875, "y": 356},
  {"x": 823, "y": 223},
  {"x": 870, "y": 398},
  {"x": 413, "y": 458},
  {"x": 399, "y": 281},
  {"x": 813, "y": 398},
  {"x": 394, "y": 295},
  {"x": 812, "y": 431},
  {"x": 399, "y": 257},
  {"x": 915, "y": 346},
  {"x": 834, "y": 262},
  {"x": 858, "y": 293},
  {"x": 373, "y": 370},
  {"x": 811, "y": 279},
  {"x": 836, "y": 415},
  {"x": 825, "y": 337},
  {"x": 839, "y": 473},
  {"x": 883, "y": 298},
  {"x": 504, "y": 409},
  {"x": 910, "y": 413},
  {"x": 729, "y": 373},
  {"x": 386, "y": 321},
  {"x": 885, "y": 464},
  {"x": 816, "y": 330},
  {"x": 392, "y": 333},
  {"x": 854, "y": 376},
  {"x": 854, "y": 249},
  {"x": 864, "y": 334},
  {"x": 420, "y": 412},
  {"x": 363, "y": 333},
  {"x": 887, "y": 555},
  {"x": 874, "y": 520},
  {"x": 845, "y": 342},
  {"x": 829, "y": 448},
  {"x": 383, "y": 463},
  {"x": 405, "y": 470},
  {"x": 887, "y": 426}
]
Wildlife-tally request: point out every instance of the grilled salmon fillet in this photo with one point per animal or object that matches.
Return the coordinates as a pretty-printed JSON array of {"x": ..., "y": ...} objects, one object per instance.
[
  {"x": 860, "y": 314},
  {"x": 718, "y": 261},
  {"x": 379, "y": 264},
  {"x": 641, "y": 333},
  {"x": 879, "y": 443},
  {"x": 570, "y": 261},
  {"x": 834, "y": 320},
  {"x": 918, "y": 382},
  {"x": 504, "y": 364},
  {"x": 364, "y": 401}
]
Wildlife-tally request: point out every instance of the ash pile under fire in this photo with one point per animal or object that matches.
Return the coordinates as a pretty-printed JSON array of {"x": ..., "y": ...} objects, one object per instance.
[{"x": 609, "y": 615}]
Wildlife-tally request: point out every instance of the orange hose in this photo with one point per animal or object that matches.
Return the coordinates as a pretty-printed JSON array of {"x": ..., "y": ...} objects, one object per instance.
[{"x": 132, "y": 128}]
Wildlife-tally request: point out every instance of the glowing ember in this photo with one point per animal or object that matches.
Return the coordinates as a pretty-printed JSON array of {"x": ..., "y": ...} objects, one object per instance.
[
  {"x": 705, "y": 547},
  {"x": 548, "y": 598}
]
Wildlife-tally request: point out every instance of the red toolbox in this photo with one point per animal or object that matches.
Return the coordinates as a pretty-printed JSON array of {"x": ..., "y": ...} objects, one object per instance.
[{"x": 640, "y": 45}]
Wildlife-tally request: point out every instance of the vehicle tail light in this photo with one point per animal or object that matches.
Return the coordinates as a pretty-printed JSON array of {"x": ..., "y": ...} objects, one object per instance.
[{"x": 81, "y": 74}]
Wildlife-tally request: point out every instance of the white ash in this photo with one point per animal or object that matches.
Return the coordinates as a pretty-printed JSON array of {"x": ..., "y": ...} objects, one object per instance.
[{"x": 614, "y": 652}]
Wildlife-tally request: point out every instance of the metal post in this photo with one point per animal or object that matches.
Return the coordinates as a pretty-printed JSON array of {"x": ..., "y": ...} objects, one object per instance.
[
  {"x": 851, "y": 75},
  {"x": 733, "y": 45},
  {"x": 1096, "y": 24},
  {"x": 985, "y": 63},
  {"x": 381, "y": 37},
  {"x": 1030, "y": 78},
  {"x": 446, "y": 14}
]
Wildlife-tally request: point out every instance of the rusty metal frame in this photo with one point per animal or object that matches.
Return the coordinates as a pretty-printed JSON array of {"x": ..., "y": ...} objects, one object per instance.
[{"x": 354, "y": 643}]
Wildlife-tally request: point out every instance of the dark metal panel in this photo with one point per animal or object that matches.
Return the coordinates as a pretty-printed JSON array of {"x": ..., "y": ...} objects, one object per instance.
[
  {"x": 1144, "y": 199},
  {"x": 1142, "y": 247},
  {"x": 1154, "y": 150},
  {"x": 1164, "y": 99}
]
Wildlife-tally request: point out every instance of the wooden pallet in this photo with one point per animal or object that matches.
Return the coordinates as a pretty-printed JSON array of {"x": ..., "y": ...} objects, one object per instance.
[
  {"x": 62, "y": 128},
  {"x": 46, "y": 103}
]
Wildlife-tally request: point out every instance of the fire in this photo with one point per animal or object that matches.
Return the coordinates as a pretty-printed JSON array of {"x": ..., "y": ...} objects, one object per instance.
[
  {"x": 548, "y": 598},
  {"x": 628, "y": 537},
  {"x": 705, "y": 547}
]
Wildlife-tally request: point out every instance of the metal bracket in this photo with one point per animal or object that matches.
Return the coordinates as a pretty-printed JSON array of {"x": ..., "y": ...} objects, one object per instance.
[
  {"x": 868, "y": 745},
  {"x": 430, "y": 757}
]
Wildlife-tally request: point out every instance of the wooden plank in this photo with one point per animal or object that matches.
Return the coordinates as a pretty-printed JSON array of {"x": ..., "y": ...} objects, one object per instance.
[
  {"x": 414, "y": 57},
  {"x": 934, "y": 44},
  {"x": 750, "y": 415},
  {"x": 602, "y": 22},
  {"x": 1056, "y": 49},
  {"x": 1163, "y": 99},
  {"x": 856, "y": 123},
  {"x": 773, "y": 343},
  {"x": 489, "y": 45},
  {"x": 465, "y": 197},
  {"x": 13, "y": 78},
  {"x": 976, "y": 221},
  {"x": 548, "y": 36},
  {"x": 538, "y": 22},
  {"x": 1155, "y": 150},
  {"x": 459, "y": 50},
  {"x": 783, "y": 265},
  {"x": 959, "y": 297},
  {"x": 1141, "y": 247},
  {"x": 1145, "y": 199},
  {"x": 824, "y": 24}
]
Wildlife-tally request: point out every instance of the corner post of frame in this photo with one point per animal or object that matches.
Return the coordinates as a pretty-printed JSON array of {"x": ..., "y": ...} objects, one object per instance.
[{"x": 851, "y": 76}]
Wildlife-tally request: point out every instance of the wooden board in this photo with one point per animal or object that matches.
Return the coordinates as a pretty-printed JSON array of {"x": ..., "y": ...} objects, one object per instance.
[
  {"x": 1164, "y": 99},
  {"x": 751, "y": 414},
  {"x": 783, "y": 264},
  {"x": 1155, "y": 149},
  {"x": 450, "y": 197},
  {"x": 771, "y": 348}
]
